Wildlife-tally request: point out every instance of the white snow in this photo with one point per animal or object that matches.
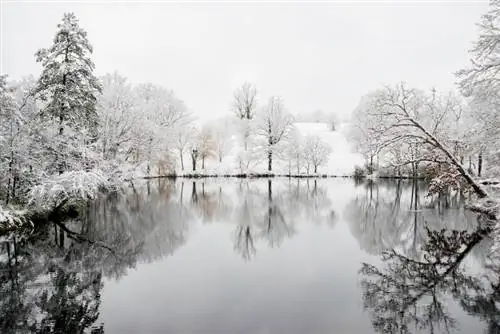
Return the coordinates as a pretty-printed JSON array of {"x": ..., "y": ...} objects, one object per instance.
[
  {"x": 68, "y": 186},
  {"x": 343, "y": 158},
  {"x": 341, "y": 162},
  {"x": 11, "y": 218}
]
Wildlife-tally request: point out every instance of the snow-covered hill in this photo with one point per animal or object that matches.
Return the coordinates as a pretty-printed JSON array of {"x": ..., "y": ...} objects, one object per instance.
[
  {"x": 343, "y": 158},
  {"x": 341, "y": 161}
]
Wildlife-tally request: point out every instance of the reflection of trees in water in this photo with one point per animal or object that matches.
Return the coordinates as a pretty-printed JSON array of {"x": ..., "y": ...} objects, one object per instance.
[
  {"x": 50, "y": 282},
  {"x": 70, "y": 302},
  {"x": 412, "y": 292},
  {"x": 270, "y": 213},
  {"x": 40, "y": 290},
  {"x": 396, "y": 214},
  {"x": 210, "y": 203},
  {"x": 148, "y": 222}
]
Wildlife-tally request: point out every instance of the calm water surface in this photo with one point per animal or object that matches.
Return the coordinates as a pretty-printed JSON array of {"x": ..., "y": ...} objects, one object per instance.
[{"x": 256, "y": 256}]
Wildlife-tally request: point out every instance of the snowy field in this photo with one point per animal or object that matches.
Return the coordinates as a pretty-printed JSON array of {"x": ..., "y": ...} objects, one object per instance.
[{"x": 341, "y": 161}]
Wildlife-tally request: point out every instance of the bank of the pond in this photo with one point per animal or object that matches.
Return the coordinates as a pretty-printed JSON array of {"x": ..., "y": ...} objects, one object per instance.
[
  {"x": 14, "y": 218},
  {"x": 19, "y": 220},
  {"x": 271, "y": 175}
]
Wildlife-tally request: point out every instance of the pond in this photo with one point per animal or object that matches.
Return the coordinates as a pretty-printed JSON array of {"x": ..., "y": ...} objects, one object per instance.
[{"x": 256, "y": 256}]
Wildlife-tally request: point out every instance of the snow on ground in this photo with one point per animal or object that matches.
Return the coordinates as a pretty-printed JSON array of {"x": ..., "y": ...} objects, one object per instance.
[
  {"x": 343, "y": 158},
  {"x": 341, "y": 162}
]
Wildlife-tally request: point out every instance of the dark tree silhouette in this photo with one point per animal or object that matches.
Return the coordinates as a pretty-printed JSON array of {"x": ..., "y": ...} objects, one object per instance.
[{"x": 409, "y": 292}]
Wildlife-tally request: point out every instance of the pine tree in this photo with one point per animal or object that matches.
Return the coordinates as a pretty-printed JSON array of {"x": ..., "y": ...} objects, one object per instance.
[{"x": 68, "y": 86}]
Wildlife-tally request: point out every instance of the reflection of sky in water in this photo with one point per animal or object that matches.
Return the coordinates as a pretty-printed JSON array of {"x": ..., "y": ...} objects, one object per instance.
[{"x": 309, "y": 284}]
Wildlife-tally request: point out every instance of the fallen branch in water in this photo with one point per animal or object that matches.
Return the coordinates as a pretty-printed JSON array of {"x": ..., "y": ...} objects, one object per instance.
[
  {"x": 53, "y": 217},
  {"x": 79, "y": 237}
]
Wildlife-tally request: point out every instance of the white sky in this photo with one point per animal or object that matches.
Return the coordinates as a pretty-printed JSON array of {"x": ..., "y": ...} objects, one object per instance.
[{"x": 315, "y": 55}]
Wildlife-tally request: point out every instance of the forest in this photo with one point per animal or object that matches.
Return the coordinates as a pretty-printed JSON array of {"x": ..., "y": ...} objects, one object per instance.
[
  {"x": 450, "y": 138},
  {"x": 69, "y": 135}
]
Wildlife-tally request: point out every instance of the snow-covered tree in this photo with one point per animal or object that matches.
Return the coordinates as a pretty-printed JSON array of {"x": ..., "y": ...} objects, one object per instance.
[
  {"x": 245, "y": 101},
  {"x": 222, "y": 136},
  {"x": 362, "y": 133},
  {"x": 118, "y": 115},
  {"x": 244, "y": 106},
  {"x": 316, "y": 151},
  {"x": 68, "y": 89},
  {"x": 482, "y": 75},
  {"x": 480, "y": 82},
  {"x": 161, "y": 113},
  {"x": 484, "y": 134},
  {"x": 273, "y": 125},
  {"x": 10, "y": 121},
  {"x": 404, "y": 115},
  {"x": 294, "y": 152},
  {"x": 206, "y": 145},
  {"x": 183, "y": 136}
]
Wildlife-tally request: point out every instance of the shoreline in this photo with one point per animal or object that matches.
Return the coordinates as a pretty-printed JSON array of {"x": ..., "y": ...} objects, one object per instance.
[{"x": 265, "y": 175}]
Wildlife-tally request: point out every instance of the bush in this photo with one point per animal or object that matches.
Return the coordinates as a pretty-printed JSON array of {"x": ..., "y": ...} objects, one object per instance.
[{"x": 359, "y": 172}]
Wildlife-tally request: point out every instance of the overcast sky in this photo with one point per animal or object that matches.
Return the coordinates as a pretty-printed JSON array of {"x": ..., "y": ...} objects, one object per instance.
[{"x": 316, "y": 56}]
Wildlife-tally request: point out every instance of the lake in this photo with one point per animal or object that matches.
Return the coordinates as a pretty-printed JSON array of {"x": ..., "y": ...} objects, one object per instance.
[{"x": 256, "y": 256}]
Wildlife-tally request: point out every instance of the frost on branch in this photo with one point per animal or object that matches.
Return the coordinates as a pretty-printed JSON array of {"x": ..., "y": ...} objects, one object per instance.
[
  {"x": 11, "y": 218},
  {"x": 445, "y": 178},
  {"x": 69, "y": 186}
]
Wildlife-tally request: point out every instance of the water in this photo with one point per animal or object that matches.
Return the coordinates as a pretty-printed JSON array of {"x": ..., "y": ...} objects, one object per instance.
[{"x": 256, "y": 256}]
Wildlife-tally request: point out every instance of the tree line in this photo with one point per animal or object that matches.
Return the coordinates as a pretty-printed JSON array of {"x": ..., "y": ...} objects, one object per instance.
[
  {"x": 69, "y": 132},
  {"x": 450, "y": 137}
]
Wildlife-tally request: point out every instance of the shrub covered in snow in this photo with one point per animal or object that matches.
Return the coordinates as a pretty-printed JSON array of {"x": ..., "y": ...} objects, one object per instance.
[
  {"x": 11, "y": 218},
  {"x": 69, "y": 186}
]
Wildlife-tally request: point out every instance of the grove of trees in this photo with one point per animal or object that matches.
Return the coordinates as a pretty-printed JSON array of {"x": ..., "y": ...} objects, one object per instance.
[
  {"x": 450, "y": 137},
  {"x": 68, "y": 134}
]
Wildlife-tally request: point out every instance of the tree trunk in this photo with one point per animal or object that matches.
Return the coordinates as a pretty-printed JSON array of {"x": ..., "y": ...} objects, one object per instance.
[
  {"x": 479, "y": 164},
  {"x": 193, "y": 158},
  {"x": 481, "y": 193},
  {"x": 315, "y": 169},
  {"x": 203, "y": 162}
]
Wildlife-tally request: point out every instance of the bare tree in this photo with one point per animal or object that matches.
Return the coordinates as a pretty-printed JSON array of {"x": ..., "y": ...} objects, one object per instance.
[
  {"x": 400, "y": 114},
  {"x": 361, "y": 131},
  {"x": 206, "y": 145},
  {"x": 245, "y": 101},
  {"x": 195, "y": 153},
  {"x": 274, "y": 124},
  {"x": 118, "y": 114},
  {"x": 183, "y": 137},
  {"x": 222, "y": 136},
  {"x": 316, "y": 151},
  {"x": 294, "y": 152},
  {"x": 244, "y": 106}
]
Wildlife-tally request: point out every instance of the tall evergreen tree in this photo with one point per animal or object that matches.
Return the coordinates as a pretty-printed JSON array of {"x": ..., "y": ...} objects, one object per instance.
[{"x": 67, "y": 85}]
